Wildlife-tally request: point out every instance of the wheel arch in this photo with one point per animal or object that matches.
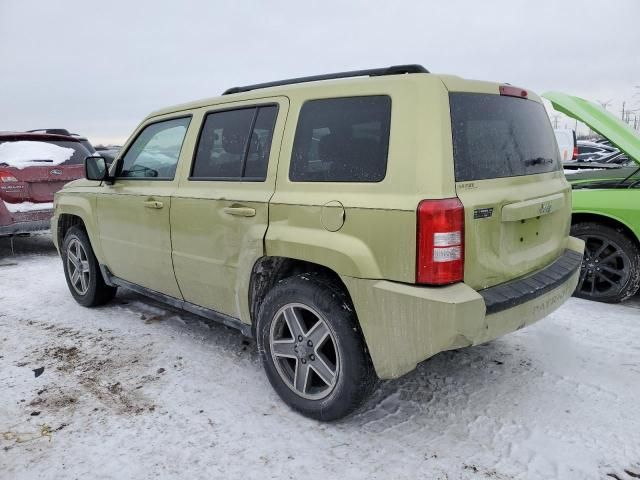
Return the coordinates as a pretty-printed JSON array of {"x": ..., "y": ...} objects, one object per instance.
[
  {"x": 77, "y": 209},
  {"x": 65, "y": 222},
  {"x": 269, "y": 270},
  {"x": 613, "y": 222}
]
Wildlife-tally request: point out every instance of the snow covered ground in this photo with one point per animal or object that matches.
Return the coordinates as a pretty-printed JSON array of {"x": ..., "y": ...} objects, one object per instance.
[{"x": 135, "y": 390}]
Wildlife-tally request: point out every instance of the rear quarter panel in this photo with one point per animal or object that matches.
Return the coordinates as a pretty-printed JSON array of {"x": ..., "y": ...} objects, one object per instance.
[{"x": 377, "y": 239}]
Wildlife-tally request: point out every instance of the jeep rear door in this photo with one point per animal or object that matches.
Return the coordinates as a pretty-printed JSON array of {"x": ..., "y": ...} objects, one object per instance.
[
  {"x": 508, "y": 175},
  {"x": 220, "y": 212}
]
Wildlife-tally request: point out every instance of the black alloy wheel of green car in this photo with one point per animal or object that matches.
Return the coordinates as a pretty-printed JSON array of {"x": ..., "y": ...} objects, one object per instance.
[{"x": 610, "y": 270}]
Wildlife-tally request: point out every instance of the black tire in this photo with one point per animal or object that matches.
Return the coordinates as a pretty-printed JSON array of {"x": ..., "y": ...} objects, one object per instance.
[
  {"x": 97, "y": 292},
  {"x": 610, "y": 270},
  {"x": 310, "y": 295}
]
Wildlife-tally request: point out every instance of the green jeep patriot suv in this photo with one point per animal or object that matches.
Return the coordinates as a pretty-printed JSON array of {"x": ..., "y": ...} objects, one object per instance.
[{"x": 355, "y": 223}]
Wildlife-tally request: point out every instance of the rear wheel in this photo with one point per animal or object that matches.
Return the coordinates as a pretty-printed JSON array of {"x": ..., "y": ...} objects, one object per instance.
[
  {"x": 82, "y": 271},
  {"x": 312, "y": 350},
  {"x": 610, "y": 269}
]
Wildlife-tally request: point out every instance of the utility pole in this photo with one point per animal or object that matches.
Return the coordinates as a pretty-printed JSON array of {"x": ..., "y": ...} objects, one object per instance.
[{"x": 605, "y": 104}]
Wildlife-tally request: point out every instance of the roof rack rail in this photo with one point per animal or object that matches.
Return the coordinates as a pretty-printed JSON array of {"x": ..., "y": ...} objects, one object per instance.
[
  {"x": 53, "y": 131},
  {"x": 373, "y": 72}
]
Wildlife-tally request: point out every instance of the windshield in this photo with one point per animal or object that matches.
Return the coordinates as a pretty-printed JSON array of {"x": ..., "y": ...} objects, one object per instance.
[{"x": 496, "y": 136}]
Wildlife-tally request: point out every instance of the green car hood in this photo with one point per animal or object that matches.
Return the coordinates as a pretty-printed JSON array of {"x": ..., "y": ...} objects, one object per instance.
[{"x": 599, "y": 120}]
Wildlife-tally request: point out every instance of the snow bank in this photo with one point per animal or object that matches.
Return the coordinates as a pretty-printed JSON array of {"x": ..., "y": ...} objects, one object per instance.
[
  {"x": 27, "y": 153},
  {"x": 27, "y": 206}
]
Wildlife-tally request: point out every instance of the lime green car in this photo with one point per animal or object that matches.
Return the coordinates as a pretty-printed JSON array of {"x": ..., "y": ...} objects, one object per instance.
[
  {"x": 606, "y": 208},
  {"x": 355, "y": 223}
]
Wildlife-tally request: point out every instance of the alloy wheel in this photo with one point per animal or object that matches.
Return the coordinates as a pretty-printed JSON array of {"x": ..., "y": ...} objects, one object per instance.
[
  {"x": 304, "y": 351},
  {"x": 605, "y": 267},
  {"x": 78, "y": 266}
]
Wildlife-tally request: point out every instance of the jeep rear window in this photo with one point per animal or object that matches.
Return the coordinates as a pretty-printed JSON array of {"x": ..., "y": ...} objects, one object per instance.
[
  {"x": 496, "y": 136},
  {"x": 342, "y": 140}
]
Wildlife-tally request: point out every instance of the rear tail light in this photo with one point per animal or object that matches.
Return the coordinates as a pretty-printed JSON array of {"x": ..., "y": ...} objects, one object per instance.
[
  {"x": 440, "y": 242},
  {"x": 7, "y": 177},
  {"x": 575, "y": 153}
]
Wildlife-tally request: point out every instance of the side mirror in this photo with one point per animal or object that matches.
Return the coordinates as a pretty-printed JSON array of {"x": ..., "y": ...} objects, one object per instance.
[{"x": 95, "y": 168}]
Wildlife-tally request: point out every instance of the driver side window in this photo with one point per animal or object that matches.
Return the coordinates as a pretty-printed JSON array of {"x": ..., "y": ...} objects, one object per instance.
[{"x": 154, "y": 153}]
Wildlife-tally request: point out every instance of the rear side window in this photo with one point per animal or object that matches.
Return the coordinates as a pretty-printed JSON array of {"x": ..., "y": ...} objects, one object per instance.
[
  {"x": 155, "y": 152},
  {"x": 496, "y": 136},
  {"x": 342, "y": 140},
  {"x": 235, "y": 144}
]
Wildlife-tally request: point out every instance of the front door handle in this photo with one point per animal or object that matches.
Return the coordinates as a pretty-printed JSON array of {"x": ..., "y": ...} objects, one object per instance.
[
  {"x": 240, "y": 211},
  {"x": 153, "y": 204}
]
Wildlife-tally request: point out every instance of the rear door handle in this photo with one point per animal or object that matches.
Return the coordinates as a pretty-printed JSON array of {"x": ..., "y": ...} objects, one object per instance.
[
  {"x": 240, "y": 211},
  {"x": 153, "y": 204}
]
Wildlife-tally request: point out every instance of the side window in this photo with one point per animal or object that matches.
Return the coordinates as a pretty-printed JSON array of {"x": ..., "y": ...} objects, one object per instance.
[
  {"x": 235, "y": 144},
  {"x": 155, "y": 153},
  {"x": 342, "y": 140}
]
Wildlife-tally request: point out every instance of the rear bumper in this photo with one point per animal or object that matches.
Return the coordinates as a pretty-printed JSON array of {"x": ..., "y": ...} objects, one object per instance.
[
  {"x": 14, "y": 223},
  {"x": 406, "y": 324},
  {"x": 24, "y": 222},
  {"x": 24, "y": 227},
  {"x": 514, "y": 293}
]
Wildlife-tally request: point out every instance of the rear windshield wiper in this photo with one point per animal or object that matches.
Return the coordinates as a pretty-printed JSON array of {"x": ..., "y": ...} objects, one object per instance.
[{"x": 538, "y": 161}]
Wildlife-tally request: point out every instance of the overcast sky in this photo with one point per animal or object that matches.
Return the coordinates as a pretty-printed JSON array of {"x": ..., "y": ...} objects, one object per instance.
[{"x": 98, "y": 68}]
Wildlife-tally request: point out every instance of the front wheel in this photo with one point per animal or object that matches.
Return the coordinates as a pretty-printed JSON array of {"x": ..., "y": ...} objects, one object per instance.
[
  {"x": 312, "y": 350},
  {"x": 610, "y": 269},
  {"x": 82, "y": 271}
]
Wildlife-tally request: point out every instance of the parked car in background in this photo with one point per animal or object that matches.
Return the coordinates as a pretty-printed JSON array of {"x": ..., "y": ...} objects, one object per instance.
[
  {"x": 352, "y": 225},
  {"x": 109, "y": 152},
  {"x": 566, "y": 139},
  {"x": 595, "y": 152},
  {"x": 33, "y": 167},
  {"x": 606, "y": 208},
  {"x": 603, "y": 141}
]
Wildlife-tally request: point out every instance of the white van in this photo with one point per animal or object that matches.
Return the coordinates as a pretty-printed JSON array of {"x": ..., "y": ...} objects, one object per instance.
[{"x": 567, "y": 145}]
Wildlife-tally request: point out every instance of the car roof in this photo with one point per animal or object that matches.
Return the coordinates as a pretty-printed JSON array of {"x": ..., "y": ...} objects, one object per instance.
[{"x": 320, "y": 83}]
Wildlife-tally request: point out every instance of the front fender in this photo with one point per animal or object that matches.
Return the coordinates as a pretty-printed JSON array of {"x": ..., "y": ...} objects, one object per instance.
[{"x": 83, "y": 206}]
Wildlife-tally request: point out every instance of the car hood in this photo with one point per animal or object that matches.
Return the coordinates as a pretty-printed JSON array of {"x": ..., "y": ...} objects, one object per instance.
[{"x": 599, "y": 120}]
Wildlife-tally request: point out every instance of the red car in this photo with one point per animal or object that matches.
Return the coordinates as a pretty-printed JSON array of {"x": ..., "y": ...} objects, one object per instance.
[{"x": 34, "y": 166}]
